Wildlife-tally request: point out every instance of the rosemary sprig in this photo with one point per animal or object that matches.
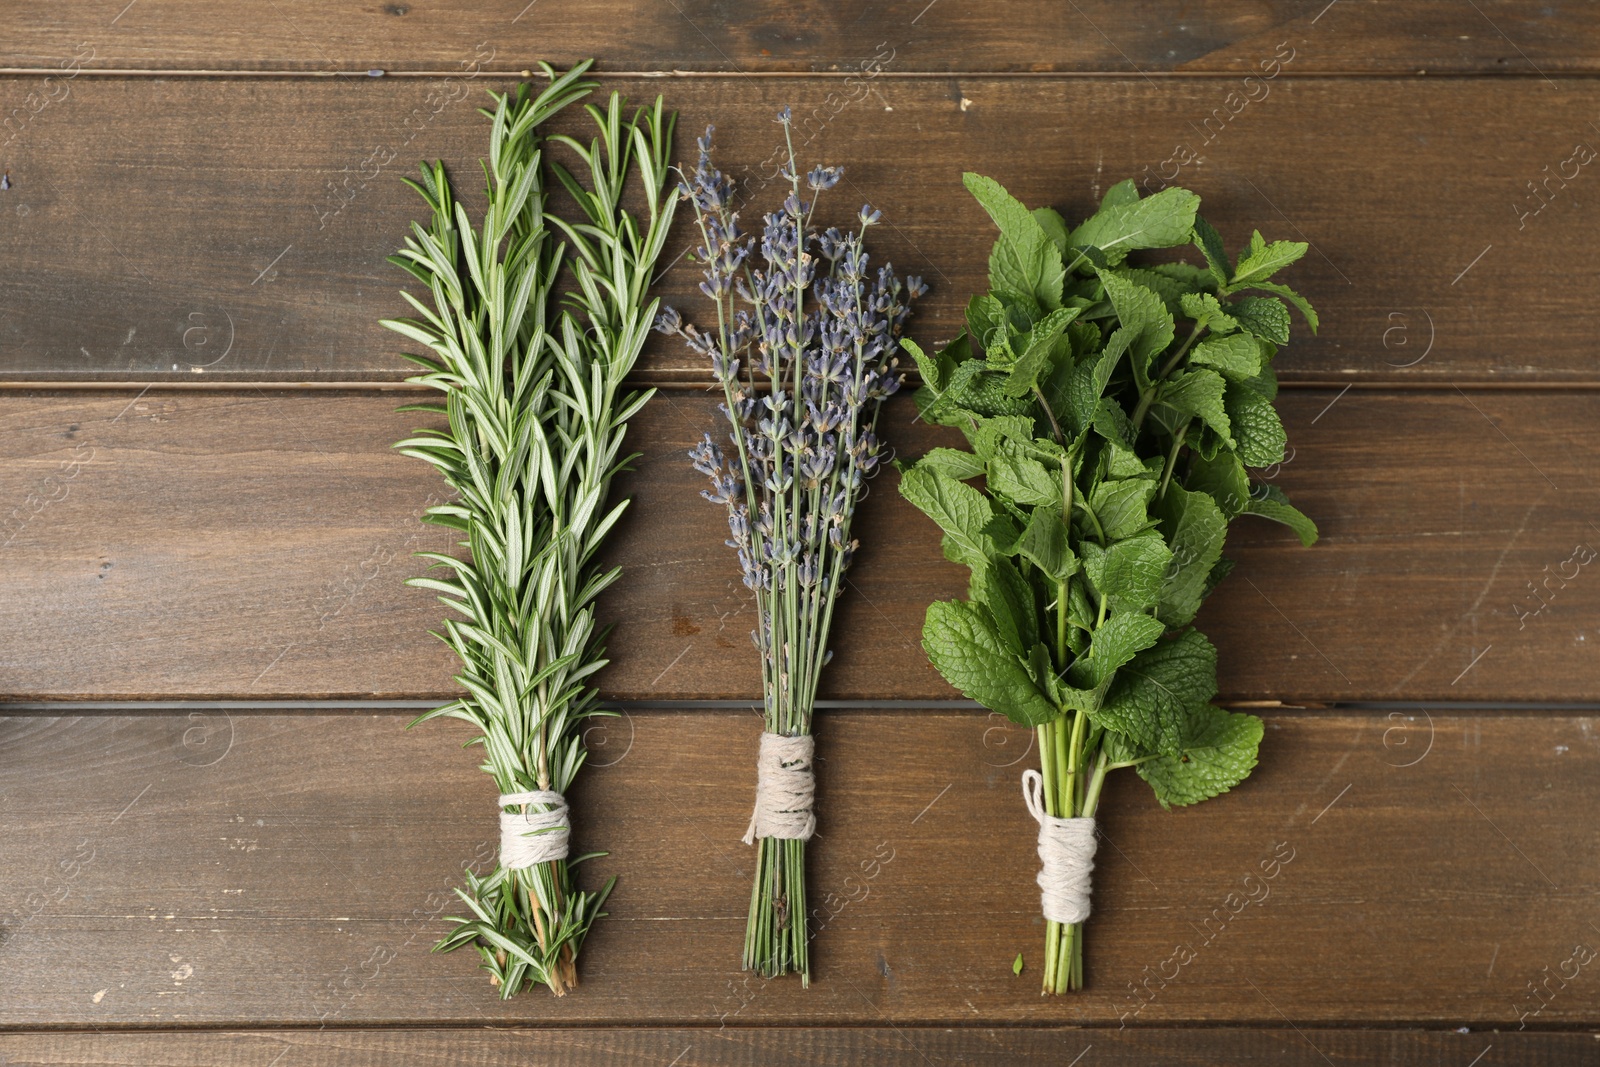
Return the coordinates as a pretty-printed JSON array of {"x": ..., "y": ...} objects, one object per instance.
[{"x": 537, "y": 411}]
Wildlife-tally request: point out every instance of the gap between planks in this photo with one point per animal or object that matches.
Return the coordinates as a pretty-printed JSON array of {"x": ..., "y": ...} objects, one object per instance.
[
  {"x": 1419, "y": 1027},
  {"x": 670, "y": 381},
  {"x": 748, "y": 75},
  {"x": 288, "y": 707}
]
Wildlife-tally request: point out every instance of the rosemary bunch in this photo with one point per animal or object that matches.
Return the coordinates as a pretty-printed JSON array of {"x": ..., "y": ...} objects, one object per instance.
[
  {"x": 804, "y": 365},
  {"x": 537, "y": 412}
]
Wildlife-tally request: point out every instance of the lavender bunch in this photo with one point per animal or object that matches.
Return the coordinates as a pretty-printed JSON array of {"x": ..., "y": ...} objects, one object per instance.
[{"x": 805, "y": 352}]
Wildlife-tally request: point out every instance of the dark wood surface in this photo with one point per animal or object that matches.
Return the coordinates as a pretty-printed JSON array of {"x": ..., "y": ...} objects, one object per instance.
[
  {"x": 780, "y": 1047},
  {"x": 1405, "y": 37},
  {"x": 235, "y": 230},
  {"x": 228, "y": 869},
  {"x": 198, "y": 501},
  {"x": 254, "y": 544}
]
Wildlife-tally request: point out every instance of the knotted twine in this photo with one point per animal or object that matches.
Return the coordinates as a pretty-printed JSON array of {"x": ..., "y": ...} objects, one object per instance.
[
  {"x": 528, "y": 839},
  {"x": 1066, "y": 849},
  {"x": 785, "y": 789}
]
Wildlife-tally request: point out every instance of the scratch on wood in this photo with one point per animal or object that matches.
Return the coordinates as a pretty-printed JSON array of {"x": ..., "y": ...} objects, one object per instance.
[{"x": 671, "y": 665}]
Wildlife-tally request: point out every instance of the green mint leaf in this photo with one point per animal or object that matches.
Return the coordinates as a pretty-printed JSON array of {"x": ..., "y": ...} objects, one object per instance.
[
  {"x": 1264, "y": 260},
  {"x": 1015, "y": 476},
  {"x": 1123, "y": 506},
  {"x": 1129, "y": 572},
  {"x": 939, "y": 408},
  {"x": 1016, "y": 964},
  {"x": 990, "y": 435},
  {"x": 1116, "y": 642},
  {"x": 1042, "y": 670},
  {"x": 962, "y": 642},
  {"x": 1045, "y": 340},
  {"x": 932, "y": 404},
  {"x": 1193, "y": 278},
  {"x": 1086, "y": 383},
  {"x": 1044, "y": 544},
  {"x": 1237, "y": 356},
  {"x": 985, "y": 314},
  {"x": 1257, "y": 431},
  {"x": 1125, "y": 463},
  {"x": 1222, "y": 478},
  {"x": 1195, "y": 529},
  {"x": 1218, "y": 752},
  {"x": 935, "y": 373},
  {"x": 1024, "y": 260},
  {"x": 1079, "y": 611},
  {"x": 1120, "y": 195},
  {"x": 1203, "y": 440},
  {"x": 997, "y": 350},
  {"x": 1171, "y": 290},
  {"x": 1086, "y": 337},
  {"x": 1152, "y": 697},
  {"x": 1265, "y": 383},
  {"x": 1120, "y": 748},
  {"x": 1293, "y": 297},
  {"x": 959, "y": 510},
  {"x": 1270, "y": 503},
  {"x": 1066, "y": 697},
  {"x": 1009, "y": 597},
  {"x": 982, "y": 391},
  {"x": 1264, "y": 317},
  {"x": 1122, "y": 225},
  {"x": 1003, "y": 532},
  {"x": 1142, "y": 314},
  {"x": 1112, "y": 423},
  {"x": 952, "y": 463},
  {"x": 954, "y": 354},
  {"x": 1089, "y": 256},
  {"x": 1017, "y": 224},
  {"x": 1207, "y": 310},
  {"x": 1053, "y": 225},
  {"x": 1209, "y": 242},
  {"x": 1199, "y": 394}
]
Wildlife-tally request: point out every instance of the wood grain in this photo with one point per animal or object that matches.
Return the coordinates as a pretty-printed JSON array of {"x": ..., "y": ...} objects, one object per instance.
[
  {"x": 198, "y": 885},
  {"x": 253, "y": 545},
  {"x": 235, "y": 230},
  {"x": 206, "y": 869},
  {"x": 805, "y": 35},
  {"x": 780, "y": 1047}
]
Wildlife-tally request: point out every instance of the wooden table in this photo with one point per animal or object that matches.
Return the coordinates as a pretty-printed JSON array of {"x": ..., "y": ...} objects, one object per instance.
[{"x": 221, "y": 845}]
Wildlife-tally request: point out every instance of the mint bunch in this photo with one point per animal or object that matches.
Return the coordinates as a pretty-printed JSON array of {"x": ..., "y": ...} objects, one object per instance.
[{"x": 1113, "y": 409}]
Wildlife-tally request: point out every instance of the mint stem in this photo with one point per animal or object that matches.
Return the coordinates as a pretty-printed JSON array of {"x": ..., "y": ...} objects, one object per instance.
[
  {"x": 1148, "y": 396},
  {"x": 1172, "y": 458}
]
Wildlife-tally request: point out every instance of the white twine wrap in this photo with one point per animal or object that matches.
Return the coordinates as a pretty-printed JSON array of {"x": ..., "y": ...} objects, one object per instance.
[
  {"x": 535, "y": 837},
  {"x": 1066, "y": 848},
  {"x": 785, "y": 789}
]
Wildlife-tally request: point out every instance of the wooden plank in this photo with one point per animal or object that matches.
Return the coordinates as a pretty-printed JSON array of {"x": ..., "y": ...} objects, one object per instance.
[
  {"x": 779, "y": 1047},
  {"x": 253, "y": 545},
  {"x": 205, "y": 869},
  {"x": 696, "y": 35},
  {"x": 131, "y": 253}
]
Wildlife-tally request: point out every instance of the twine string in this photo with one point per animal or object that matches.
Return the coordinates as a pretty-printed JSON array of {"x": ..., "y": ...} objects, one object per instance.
[
  {"x": 785, "y": 789},
  {"x": 1066, "y": 851},
  {"x": 529, "y": 838}
]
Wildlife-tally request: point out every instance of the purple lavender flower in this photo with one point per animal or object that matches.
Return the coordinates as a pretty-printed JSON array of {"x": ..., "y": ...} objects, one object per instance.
[
  {"x": 820, "y": 179},
  {"x": 805, "y": 346}
]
